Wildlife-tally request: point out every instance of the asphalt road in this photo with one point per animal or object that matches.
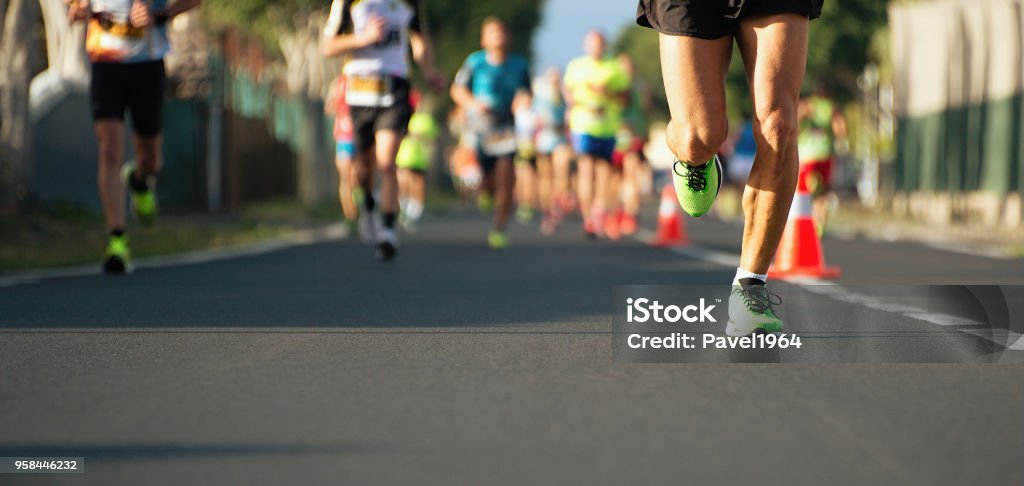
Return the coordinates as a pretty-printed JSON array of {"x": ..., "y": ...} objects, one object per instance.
[{"x": 457, "y": 365}]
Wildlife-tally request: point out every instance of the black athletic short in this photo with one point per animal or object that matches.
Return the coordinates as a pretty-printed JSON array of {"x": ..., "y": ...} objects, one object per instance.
[
  {"x": 137, "y": 86},
  {"x": 714, "y": 19},
  {"x": 366, "y": 120}
]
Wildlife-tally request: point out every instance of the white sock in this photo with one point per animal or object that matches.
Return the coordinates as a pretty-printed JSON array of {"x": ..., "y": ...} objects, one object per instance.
[{"x": 741, "y": 273}]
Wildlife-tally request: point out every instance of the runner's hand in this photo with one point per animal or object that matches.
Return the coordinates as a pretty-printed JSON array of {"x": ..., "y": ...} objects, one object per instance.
[
  {"x": 140, "y": 15},
  {"x": 77, "y": 10},
  {"x": 374, "y": 31}
]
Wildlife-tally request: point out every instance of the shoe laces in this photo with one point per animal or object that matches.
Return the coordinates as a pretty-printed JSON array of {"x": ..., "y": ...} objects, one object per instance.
[
  {"x": 696, "y": 177},
  {"x": 758, "y": 299}
]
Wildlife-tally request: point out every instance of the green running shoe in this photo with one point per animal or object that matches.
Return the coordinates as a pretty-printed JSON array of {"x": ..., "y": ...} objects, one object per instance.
[
  {"x": 697, "y": 186},
  {"x": 497, "y": 240},
  {"x": 118, "y": 257},
  {"x": 750, "y": 309},
  {"x": 144, "y": 203},
  {"x": 524, "y": 214}
]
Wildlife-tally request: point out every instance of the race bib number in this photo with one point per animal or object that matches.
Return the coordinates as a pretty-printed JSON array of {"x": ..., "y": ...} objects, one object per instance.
[
  {"x": 372, "y": 91},
  {"x": 499, "y": 141}
]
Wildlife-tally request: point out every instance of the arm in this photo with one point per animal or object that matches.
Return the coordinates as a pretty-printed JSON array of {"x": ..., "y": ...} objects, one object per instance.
[
  {"x": 461, "y": 93},
  {"x": 423, "y": 54},
  {"x": 340, "y": 35},
  {"x": 181, "y": 6},
  {"x": 334, "y": 45},
  {"x": 142, "y": 16}
]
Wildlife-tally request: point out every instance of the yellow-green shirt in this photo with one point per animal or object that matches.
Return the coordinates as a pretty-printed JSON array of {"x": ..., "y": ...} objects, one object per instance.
[{"x": 593, "y": 113}]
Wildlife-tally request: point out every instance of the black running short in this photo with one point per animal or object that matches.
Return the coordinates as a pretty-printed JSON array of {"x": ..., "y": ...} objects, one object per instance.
[
  {"x": 137, "y": 86},
  {"x": 714, "y": 19},
  {"x": 366, "y": 121}
]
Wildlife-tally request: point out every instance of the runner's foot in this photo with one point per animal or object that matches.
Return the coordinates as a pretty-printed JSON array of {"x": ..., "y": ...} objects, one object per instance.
[
  {"x": 143, "y": 196},
  {"x": 117, "y": 260},
  {"x": 697, "y": 186},
  {"x": 387, "y": 245},
  {"x": 497, "y": 240},
  {"x": 751, "y": 308}
]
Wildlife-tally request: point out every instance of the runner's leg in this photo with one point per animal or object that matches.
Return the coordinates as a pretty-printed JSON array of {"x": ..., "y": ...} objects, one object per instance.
[
  {"x": 110, "y": 139},
  {"x": 694, "y": 75},
  {"x": 386, "y": 150},
  {"x": 774, "y": 50},
  {"x": 504, "y": 187}
]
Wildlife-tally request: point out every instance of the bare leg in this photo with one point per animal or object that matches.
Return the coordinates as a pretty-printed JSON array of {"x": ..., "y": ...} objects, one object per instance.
[
  {"x": 346, "y": 184},
  {"x": 110, "y": 139},
  {"x": 694, "y": 74},
  {"x": 148, "y": 155},
  {"x": 774, "y": 50},
  {"x": 544, "y": 183},
  {"x": 386, "y": 150},
  {"x": 366, "y": 170},
  {"x": 631, "y": 184},
  {"x": 585, "y": 184},
  {"x": 504, "y": 185}
]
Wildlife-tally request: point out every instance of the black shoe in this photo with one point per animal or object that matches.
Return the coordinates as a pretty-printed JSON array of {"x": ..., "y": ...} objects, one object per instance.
[
  {"x": 386, "y": 251},
  {"x": 115, "y": 265}
]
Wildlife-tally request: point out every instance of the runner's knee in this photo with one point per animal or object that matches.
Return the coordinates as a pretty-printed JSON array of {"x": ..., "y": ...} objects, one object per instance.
[{"x": 695, "y": 143}]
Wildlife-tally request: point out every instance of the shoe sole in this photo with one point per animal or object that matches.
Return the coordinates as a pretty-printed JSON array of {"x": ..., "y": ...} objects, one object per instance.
[
  {"x": 116, "y": 267},
  {"x": 769, "y": 328}
]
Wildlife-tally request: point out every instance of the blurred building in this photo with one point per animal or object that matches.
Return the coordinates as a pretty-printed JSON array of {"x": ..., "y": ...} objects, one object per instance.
[{"x": 958, "y": 82}]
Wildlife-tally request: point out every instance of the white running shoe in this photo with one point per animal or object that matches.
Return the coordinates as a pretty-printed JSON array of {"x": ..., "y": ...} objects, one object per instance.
[{"x": 750, "y": 309}]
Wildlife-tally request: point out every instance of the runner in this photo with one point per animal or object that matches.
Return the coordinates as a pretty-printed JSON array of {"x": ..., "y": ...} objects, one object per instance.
[
  {"x": 553, "y": 153},
  {"x": 820, "y": 125},
  {"x": 527, "y": 197},
  {"x": 593, "y": 87},
  {"x": 127, "y": 41},
  {"x": 696, "y": 45},
  {"x": 486, "y": 86},
  {"x": 374, "y": 35},
  {"x": 629, "y": 150},
  {"x": 414, "y": 157},
  {"x": 348, "y": 190}
]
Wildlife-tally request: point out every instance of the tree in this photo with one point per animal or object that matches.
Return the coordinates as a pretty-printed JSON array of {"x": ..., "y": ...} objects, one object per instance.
[{"x": 16, "y": 48}]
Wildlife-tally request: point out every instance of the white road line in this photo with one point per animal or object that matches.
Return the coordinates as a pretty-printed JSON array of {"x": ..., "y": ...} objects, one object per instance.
[
  {"x": 304, "y": 237},
  {"x": 837, "y": 292}
]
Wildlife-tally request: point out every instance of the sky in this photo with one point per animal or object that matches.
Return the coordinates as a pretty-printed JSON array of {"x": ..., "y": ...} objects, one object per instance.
[{"x": 564, "y": 23}]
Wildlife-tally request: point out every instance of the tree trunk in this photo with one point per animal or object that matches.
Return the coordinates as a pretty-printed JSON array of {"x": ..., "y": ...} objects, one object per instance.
[
  {"x": 15, "y": 127},
  {"x": 65, "y": 43}
]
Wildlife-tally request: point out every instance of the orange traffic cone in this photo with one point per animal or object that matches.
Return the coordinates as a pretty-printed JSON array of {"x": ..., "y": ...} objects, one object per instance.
[
  {"x": 671, "y": 230},
  {"x": 800, "y": 253}
]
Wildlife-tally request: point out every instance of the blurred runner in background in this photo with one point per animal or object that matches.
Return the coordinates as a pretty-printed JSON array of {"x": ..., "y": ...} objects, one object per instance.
[
  {"x": 414, "y": 157},
  {"x": 349, "y": 193},
  {"x": 462, "y": 164},
  {"x": 696, "y": 44},
  {"x": 554, "y": 157},
  {"x": 593, "y": 87},
  {"x": 127, "y": 41},
  {"x": 629, "y": 148},
  {"x": 374, "y": 35},
  {"x": 821, "y": 124},
  {"x": 486, "y": 87},
  {"x": 526, "y": 159}
]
